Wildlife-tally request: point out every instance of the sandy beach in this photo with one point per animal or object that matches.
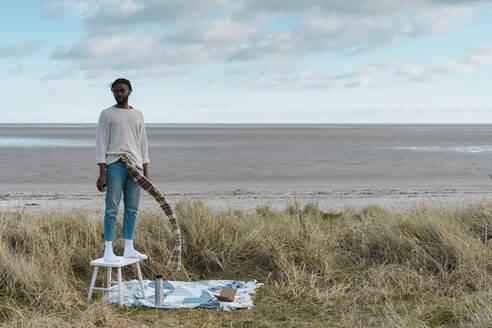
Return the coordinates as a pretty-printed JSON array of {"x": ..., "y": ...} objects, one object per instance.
[{"x": 248, "y": 166}]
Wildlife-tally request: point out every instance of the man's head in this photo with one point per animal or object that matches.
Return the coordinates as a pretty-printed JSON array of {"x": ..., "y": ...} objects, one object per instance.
[{"x": 121, "y": 89}]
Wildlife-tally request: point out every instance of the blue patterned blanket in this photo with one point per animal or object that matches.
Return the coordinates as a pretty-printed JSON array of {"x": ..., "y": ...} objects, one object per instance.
[{"x": 183, "y": 294}]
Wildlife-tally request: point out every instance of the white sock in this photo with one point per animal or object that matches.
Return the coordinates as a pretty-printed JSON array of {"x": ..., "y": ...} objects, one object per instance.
[
  {"x": 108, "y": 252},
  {"x": 131, "y": 252}
]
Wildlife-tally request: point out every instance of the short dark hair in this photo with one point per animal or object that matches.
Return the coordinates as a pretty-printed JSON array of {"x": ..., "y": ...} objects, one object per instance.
[{"x": 120, "y": 81}]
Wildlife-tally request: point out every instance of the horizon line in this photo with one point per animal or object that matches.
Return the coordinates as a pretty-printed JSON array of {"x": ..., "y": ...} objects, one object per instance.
[{"x": 267, "y": 123}]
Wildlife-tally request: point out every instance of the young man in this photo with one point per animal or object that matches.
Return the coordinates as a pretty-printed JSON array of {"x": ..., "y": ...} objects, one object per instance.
[{"x": 120, "y": 131}]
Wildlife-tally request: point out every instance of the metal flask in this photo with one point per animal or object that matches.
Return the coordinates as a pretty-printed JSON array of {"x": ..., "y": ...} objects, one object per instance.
[{"x": 158, "y": 290}]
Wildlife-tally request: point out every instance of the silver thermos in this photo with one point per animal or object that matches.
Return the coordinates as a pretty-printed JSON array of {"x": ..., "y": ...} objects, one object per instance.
[{"x": 158, "y": 290}]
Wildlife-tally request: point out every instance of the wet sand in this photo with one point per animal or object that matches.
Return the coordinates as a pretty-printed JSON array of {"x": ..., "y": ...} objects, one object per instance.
[{"x": 393, "y": 166}]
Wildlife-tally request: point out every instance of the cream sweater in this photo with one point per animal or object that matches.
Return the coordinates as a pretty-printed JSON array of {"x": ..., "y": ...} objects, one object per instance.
[{"x": 121, "y": 131}]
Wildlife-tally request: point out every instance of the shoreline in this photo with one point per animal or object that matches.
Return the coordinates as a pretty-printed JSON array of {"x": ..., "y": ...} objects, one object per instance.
[{"x": 247, "y": 198}]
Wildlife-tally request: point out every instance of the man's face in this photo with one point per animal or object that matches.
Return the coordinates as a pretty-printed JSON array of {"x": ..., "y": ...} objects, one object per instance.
[{"x": 121, "y": 93}]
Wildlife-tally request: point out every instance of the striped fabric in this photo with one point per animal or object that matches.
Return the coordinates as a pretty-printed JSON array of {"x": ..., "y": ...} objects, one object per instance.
[{"x": 175, "y": 261}]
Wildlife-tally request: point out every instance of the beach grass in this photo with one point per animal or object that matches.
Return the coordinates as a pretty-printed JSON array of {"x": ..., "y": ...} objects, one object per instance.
[{"x": 424, "y": 267}]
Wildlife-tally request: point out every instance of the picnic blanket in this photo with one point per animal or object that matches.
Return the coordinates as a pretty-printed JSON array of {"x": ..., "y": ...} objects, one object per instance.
[
  {"x": 175, "y": 260},
  {"x": 184, "y": 294}
]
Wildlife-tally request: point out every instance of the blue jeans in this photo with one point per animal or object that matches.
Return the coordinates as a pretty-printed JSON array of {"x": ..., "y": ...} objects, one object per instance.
[{"x": 120, "y": 182}]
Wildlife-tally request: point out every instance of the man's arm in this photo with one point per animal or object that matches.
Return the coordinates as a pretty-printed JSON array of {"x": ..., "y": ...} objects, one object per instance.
[
  {"x": 102, "y": 169},
  {"x": 102, "y": 138},
  {"x": 146, "y": 170},
  {"x": 144, "y": 148}
]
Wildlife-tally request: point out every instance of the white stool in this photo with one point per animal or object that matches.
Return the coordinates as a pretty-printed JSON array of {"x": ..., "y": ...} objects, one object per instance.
[{"x": 119, "y": 284}]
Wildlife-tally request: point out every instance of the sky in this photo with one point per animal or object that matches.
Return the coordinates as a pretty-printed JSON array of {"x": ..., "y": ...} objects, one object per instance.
[{"x": 255, "y": 61}]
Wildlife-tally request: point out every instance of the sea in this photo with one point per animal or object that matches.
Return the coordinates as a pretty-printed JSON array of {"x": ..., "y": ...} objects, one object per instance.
[{"x": 310, "y": 154}]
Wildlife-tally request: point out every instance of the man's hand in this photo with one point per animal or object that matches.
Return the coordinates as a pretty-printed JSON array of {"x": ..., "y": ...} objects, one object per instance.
[{"x": 101, "y": 183}]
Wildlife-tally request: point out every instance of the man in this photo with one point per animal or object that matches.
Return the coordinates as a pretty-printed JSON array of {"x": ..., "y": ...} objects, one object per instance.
[{"x": 121, "y": 130}]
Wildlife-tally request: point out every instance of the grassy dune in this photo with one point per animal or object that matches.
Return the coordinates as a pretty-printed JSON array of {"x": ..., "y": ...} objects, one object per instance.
[{"x": 424, "y": 267}]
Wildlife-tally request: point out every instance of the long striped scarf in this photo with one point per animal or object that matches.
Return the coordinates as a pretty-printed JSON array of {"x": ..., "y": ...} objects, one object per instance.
[{"x": 175, "y": 260}]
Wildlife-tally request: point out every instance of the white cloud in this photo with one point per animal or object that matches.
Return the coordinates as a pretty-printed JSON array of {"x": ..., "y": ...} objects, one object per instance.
[
  {"x": 108, "y": 17},
  {"x": 445, "y": 19},
  {"x": 480, "y": 55},
  {"x": 18, "y": 69},
  {"x": 284, "y": 75},
  {"x": 59, "y": 75},
  {"x": 19, "y": 49},
  {"x": 351, "y": 34},
  {"x": 148, "y": 36},
  {"x": 348, "y": 7},
  {"x": 475, "y": 58},
  {"x": 225, "y": 40},
  {"x": 415, "y": 72},
  {"x": 129, "y": 53},
  {"x": 54, "y": 12},
  {"x": 111, "y": 47},
  {"x": 321, "y": 79},
  {"x": 219, "y": 31}
]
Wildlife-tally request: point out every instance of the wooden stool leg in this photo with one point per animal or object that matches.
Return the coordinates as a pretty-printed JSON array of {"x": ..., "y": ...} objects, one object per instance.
[
  {"x": 139, "y": 274},
  {"x": 120, "y": 286},
  {"x": 93, "y": 281},
  {"x": 108, "y": 279}
]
